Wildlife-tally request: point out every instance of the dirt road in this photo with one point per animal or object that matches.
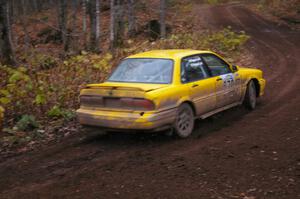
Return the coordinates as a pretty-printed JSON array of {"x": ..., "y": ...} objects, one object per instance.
[{"x": 237, "y": 154}]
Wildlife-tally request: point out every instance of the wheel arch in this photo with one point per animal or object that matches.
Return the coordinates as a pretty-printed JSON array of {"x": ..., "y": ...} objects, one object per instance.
[
  {"x": 191, "y": 104},
  {"x": 256, "y": 84}
]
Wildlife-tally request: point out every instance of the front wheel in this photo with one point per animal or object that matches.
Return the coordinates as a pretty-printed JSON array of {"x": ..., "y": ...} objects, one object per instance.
[
  {"x": 185, "y": 120},
  {"x": 250, "y": 96}
]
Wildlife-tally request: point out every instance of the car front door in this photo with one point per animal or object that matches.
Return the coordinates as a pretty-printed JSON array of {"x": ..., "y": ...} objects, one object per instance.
[
  {"x": 225, "y": 80},
  {"x": 195, "y": 75}
]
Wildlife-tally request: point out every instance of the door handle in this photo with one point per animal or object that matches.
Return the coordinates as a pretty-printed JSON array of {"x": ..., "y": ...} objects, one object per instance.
[
  {"x": 195, "y": 85},
  {"x": 219, "y": 79}
]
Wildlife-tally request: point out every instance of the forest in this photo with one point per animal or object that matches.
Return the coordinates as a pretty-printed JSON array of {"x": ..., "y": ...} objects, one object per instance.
[{"x": 51, "y": 49}]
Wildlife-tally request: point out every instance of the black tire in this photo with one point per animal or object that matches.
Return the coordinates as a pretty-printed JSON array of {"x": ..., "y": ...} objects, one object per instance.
[
  {"x": 250, "y": 96},
  {"x": 185, "y": 121}
]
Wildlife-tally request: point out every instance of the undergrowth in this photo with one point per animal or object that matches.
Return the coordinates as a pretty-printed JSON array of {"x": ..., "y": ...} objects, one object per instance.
[
  {"x": 280, "y": 8},
  {"x": 47, "y": 88}
]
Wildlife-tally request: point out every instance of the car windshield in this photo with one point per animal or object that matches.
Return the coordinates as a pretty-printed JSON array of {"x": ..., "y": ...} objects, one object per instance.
[{"x": 144, "y": 70}]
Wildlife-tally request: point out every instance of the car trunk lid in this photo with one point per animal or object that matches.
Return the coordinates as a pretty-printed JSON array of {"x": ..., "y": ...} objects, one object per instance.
[{"x": 121, "y": 96}]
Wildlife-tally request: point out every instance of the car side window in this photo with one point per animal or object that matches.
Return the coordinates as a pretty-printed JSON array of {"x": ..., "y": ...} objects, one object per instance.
[
  {"x": 216, "y": 65},
  {"x": 193, "y": 69}
]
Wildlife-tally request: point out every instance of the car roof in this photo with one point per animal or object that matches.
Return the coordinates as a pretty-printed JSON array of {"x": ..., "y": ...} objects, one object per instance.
[{"x": 168, "y": 54}]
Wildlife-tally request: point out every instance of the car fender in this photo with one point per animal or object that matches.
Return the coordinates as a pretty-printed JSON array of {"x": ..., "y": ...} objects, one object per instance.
[
  {"x": 245, "y": 85},
  {"x": 188, "y": 100}
]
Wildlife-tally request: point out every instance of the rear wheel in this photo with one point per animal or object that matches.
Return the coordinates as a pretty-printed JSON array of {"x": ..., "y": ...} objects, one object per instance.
[
  {"x": 184, "y": 123},
  {"x": 250, "y": 96}
]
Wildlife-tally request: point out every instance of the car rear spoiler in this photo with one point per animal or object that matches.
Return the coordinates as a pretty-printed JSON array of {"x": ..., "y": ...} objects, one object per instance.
[{"x": 132, "y": 88}]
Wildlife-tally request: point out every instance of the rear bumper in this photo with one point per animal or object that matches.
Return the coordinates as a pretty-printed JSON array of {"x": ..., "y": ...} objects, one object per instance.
[
  {"x": 262, "y": 85},
  {"x": 118, "y": 120}
]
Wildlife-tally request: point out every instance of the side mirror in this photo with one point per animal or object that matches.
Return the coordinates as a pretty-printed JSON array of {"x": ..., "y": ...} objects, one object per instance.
[{"x": 234, "y": 68}]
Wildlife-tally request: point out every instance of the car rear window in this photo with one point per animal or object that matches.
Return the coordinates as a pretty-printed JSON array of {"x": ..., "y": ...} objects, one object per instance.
[{"x": 144, "y": 70}]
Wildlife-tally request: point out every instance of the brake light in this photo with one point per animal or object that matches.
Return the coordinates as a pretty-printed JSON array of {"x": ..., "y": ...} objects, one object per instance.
[{"x": 143, "y": 104}]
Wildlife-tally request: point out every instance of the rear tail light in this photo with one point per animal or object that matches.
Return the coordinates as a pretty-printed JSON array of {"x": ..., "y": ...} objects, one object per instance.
[
  {"x": 116, "y": 102},
  {"x": 139, "y": 104}
]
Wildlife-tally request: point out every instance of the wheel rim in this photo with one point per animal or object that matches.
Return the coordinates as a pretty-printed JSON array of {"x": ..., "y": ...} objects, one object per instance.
[
  {"x": 252, "y": 95},
  {"x": 185, "y": 121}
]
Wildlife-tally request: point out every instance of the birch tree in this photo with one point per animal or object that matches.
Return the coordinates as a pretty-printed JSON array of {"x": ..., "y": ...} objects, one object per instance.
[
  {"x": 112, "y": 25},
  {"x": 97, "y": 21}
]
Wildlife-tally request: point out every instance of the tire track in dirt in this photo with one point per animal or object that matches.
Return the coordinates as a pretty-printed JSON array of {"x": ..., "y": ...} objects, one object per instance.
[
  {"x": 285, "y": 83},
  {"x": 227, "y": 159},
  {"x": 274, "y": 40},
  {"x": 264, "y": 46},
  {"x": 232, "y": 15}
]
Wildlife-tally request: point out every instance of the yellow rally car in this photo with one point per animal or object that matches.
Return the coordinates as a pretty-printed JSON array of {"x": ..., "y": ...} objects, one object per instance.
[{"x": 163, "y": 89}]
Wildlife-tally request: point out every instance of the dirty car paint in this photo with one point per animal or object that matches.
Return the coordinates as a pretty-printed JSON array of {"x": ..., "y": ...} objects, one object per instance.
[{"x": 102, "y": 105}]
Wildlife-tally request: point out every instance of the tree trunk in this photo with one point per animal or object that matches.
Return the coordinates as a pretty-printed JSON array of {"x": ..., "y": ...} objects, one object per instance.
[
  {"x": 84, "y": 16},
  {"x": 94, "y": 11},
  {"x": 84, "y": 22},
  {"x": 24, "y": 25},
  {"x": 74, "y": 39},
  {"x": 97, "y": 22},
  {"x": 6, "y": 48},
  {"x": 112, "y": 25},
  {"x": 116, "y": 23},
  {"x": 35, "y": 5},
  {"x": 131, "y": 18},
  {"x": 162, "y": 18},
  {"x": 63, "y": 23},
  {"x": 74, "y": 16},
  {"x": 120, "y": 25}
]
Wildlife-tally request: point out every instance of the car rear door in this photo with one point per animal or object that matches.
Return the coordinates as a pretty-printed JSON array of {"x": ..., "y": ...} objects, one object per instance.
[
  {"x": 195, "y": 76},
  {"x": 225, "y": 80}
]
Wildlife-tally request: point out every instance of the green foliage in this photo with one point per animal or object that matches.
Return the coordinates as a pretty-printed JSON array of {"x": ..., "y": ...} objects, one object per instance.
[
  {"x": 1, "y": 112},
  {"x": 13, "y": 79},
  {"x": 30, "y": 90},
  {"x": 39, "y": 61},
  {"x": 213, "y": 2},
  {"x": 13, "y": 138},
  {"x": 47, "y": 62},
  {"x": 54, "y": 92},
  {"x": 1, "y": 116},
  {"x": 40, "y": 99},
  {"x": 103, "y": 64},
  {"x": 27, "y": 122},
  {"x": 4, "y": 100},
  {"x": 57, "y": 112},
  {"x": 226, "y": 40}
]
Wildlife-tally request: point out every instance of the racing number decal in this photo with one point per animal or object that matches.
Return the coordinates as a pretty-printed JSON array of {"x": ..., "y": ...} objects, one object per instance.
[{"x": 228, "y": 80}]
